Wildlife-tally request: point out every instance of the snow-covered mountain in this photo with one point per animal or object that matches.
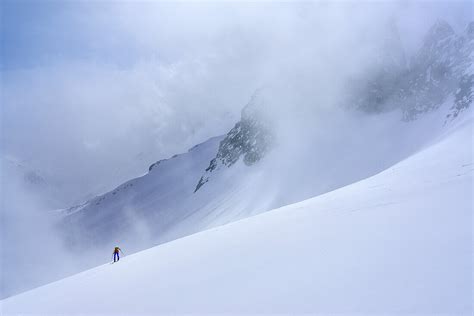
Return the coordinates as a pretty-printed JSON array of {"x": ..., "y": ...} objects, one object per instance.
[
  {"x": 244, "y": 172},
  {"x": 261, "y": 164},
  {"x": 171, "y": 201},
  {"x": 397, "y": 242},
  {"x": 440, "y": 70},
  {"x": 250, "y": 139}
]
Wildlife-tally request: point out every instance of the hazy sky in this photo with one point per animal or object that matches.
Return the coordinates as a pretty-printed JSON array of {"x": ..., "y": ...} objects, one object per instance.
[
  {"x": 93, "y": 92},
  {"x": 39, "y": 33}
]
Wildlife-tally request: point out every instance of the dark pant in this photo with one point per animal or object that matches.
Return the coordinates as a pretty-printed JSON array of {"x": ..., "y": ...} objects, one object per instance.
[{"x": 116, "y": 255}]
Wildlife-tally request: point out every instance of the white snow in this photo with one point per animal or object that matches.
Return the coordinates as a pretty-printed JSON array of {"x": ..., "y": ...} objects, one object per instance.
[
  {"x": 161, "y": 206},
  {"x": 397, "y": 242}
]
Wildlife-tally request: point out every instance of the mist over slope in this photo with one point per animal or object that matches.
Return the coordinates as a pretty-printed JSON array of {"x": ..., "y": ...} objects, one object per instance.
[
  {"x": 285, "y": 148},
  {"x": 397, "y": 242},
  {"x": 314, "y": 128}
]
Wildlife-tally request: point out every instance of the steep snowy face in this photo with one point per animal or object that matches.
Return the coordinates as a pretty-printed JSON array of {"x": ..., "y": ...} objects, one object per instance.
[
  {"x": 465, "y": 68},
  {"x": 217, "y": 182},
  {"x": 436, "y": 70},
  {"x": 398, "y": 242},
  {"x": 441, "y": 69},
  {"x": 244, "y": 173},
  {"x": 250, "y": 139},
  {"x": 141, "y": 209}
]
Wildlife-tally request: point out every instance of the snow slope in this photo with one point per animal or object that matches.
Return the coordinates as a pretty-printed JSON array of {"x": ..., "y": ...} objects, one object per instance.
[
  {"x": 162, "y": 206},
  {"x": 399, "y": 241}
]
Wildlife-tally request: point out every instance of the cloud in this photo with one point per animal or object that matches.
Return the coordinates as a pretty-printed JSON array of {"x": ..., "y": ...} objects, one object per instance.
[
  {"x": 84, "y": 124},
  {"x": 99, "y": 91},
  {"x": 94, "y": 92}
]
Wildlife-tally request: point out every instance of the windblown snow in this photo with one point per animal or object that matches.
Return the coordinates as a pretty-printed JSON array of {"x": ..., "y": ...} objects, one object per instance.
[
  {"x": 399, "y": 241},
  {"x": 292, "y": 142}
]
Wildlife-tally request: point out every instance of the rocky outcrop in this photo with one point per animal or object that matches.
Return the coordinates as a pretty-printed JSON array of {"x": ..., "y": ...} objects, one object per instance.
[
  {"x": 463, "y": 96},
  {"x": 249, "y": 140},
  {"x": 434, "y": 71},
  {"x": 441, "y": 68}
]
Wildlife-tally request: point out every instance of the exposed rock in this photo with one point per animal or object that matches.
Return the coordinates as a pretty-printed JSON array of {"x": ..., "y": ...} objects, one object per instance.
[
  {"x": 250, "y": 139},
  {"x": 442, "y": 68}
]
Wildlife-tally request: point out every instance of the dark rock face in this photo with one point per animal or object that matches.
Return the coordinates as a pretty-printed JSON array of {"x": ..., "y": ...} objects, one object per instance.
[
  {"x": 441, "y": 68},
  {"x": 464, "y": 93},
  {"x": 433, "y": 74},
  {"x": 250, "y": 139},
  {"x": 463, "y": 96},
  {"x": 156, "y": 164}
]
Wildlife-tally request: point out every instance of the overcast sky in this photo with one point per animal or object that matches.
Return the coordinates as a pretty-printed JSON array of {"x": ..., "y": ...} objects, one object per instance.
[{"x": 93, "y": 92}]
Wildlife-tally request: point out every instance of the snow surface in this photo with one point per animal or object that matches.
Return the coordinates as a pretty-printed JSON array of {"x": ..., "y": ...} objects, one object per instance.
[
  {"x": 397, "y": 242},
  {"x": 161, "y": 206}
]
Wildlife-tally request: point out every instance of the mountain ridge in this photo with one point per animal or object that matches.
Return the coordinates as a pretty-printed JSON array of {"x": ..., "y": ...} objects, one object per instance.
[{"x": 322, "y": 244}]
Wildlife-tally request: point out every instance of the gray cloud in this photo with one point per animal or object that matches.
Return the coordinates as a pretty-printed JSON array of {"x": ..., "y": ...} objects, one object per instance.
[
  {"x": 92, "y": 93},
  {"x": 147, "y": 80}
]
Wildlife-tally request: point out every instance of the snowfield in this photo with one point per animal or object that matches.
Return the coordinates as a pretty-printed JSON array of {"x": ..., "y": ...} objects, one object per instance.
[{"x": 397, "y": 242}]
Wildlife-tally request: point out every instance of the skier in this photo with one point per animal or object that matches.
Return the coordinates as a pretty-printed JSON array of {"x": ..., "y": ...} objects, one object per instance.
[{"x": 116, "y": 253}]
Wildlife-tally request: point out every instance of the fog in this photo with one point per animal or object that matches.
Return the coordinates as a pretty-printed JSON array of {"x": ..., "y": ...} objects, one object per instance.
[
  {"x": 94, "y": 92},
  {"x": 112, "y": 88}
]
